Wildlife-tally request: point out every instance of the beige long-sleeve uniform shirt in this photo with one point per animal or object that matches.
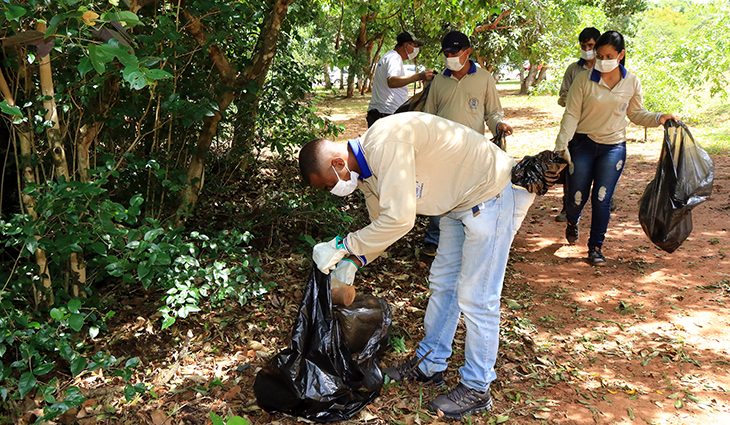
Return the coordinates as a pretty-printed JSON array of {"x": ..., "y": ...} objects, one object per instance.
[
  {"x": 573, "y": 70},
  {"x": 470, "y": 101},
  {"x": 417, "y": 163},
  {"x": 600, "y": 112}
]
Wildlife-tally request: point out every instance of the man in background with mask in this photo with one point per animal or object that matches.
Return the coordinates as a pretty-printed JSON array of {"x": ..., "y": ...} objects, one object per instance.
[
  {"x": 466, "y": 94},
  {"x": 417, "y": 163},
  {"x": 390, "y": 83},
  {"x": 587, "y": 40}
]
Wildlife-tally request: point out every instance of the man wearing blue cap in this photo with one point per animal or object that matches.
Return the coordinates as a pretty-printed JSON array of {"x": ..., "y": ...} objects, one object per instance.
[{"x": 466, "y": 94}]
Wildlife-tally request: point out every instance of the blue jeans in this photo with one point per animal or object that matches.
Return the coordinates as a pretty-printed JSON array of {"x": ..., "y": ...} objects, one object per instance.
[
  {"x": 599, "y": 166},
  {"x": 432, "y": 230},
  {"x": 466, "y": 278}
]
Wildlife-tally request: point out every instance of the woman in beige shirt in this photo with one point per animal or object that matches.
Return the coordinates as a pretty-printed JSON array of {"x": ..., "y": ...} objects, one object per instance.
[{"x": 593, "y": 137}]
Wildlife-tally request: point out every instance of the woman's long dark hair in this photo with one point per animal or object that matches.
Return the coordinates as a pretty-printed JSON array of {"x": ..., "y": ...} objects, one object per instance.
[{"x": 615, "y": 39}]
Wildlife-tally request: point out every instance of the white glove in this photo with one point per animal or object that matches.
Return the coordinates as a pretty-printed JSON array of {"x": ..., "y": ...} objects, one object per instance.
[
  {"x": 327, "y": 254},
  {"x": 344, "y": 273}
]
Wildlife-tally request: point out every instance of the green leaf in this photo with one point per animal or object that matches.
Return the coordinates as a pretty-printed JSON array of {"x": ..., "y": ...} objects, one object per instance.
[
  {"x": 43, "y": 369},
  {"x": 77, "y": 365},
  {"x": 125, "y": 16},
  {"x": 57, "y": 314},
  {"x": 74, "y": 397},
  {"x": 152, "y": 234},
  {"x": 237, "y": 420},
  {"x": 49, "y": 391},
  {"x": 215, "y": 419},
  {"x": 74, "y": 305},
  {"x": 500, "y": 419},
  {"x": 13, "y": 12},
  {"x": 85, "y": 66},
  {"x": 10, "y": 109},
  {"x": 135, "y": 77},
  {"x": 76, "y": 321},
  {"x": 678, "y": 403},
  {"x": 26, "y": 383},
  {"x": 169, "y": 321},
  {"x": 132, "y": 362},
  {"x": 143, "y": 269},
  {"x": 157, "y": 74}
]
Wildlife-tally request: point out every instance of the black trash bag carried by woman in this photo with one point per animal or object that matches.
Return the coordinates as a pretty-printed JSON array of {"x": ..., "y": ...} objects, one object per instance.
[
  {"x": 683, "y": 180},
  {"x": 330, "y": 371}
]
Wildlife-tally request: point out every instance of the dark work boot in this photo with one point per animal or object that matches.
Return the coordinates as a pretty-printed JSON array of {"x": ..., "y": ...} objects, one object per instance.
[
  {"x": 571, "y": 233},
  {"x": 409, "y": 371},
  {"x": 595, "y": 256},
  {"x": 461, "y": 401}
]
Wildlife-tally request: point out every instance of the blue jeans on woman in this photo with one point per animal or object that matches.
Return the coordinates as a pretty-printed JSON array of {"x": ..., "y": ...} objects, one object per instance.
[
  {"x": 596, "y": 170},
  {"x": 466, "y": 278}
]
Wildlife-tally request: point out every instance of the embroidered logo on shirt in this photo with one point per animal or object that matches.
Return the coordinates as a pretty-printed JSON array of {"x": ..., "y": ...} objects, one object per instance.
[
  {"x": 473, "y": 103},
  {"x": 419, "y": 190}
]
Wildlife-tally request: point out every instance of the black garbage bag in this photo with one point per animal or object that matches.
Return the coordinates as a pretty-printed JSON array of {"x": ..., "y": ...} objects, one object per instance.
[
  {"x": 537, "y": 173},
  {"x": 330, "y": 370},
  {"x": 683, "y": 180},
  {"x": 416, "y": 102}
]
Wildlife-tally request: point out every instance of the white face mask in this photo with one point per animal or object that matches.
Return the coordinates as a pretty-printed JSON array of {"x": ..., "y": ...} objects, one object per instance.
[
  {"x": 587, "y": 54},
  {"x": 454, "y": 63},
  {"x": 344, "y": 187},
  {"x": 606, "y": 65},
  {"x": 414, "y": 53}
]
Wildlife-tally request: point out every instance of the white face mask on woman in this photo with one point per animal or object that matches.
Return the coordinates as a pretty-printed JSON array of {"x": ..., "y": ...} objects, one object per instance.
[
  {"x": 605, "y": 65},
  {"x": 454, "y": 63},
  {"x": 414, "y": 53},
  {"x": 344, "y": 187},
  {"x": 587, "y": 54}
]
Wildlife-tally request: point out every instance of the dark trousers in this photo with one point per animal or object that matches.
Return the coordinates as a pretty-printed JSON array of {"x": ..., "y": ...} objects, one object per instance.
[
  {"x": 374, "y": 115},
  {"x": 596, "y": 171}
]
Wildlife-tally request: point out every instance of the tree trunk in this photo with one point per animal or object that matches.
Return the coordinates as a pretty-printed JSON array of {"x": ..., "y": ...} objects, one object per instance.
[
  {"x": 528, "y": 81},
  {"x": 78, "y": 268},
  {"x": 361, "y": 56},
  {"x": 327, "y": 79},
  {"x": 541, "y": 75},
  {"x": 255, "y": 72},
  {"x": 45, "y": 295}
]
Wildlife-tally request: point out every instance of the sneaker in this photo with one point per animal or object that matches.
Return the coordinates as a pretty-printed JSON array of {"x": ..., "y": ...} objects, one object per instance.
[
  {"x": 429, "y": 249},
  {"x": 595, "y": 256},
  {"x": 571, "y": 233},
  {"x": 461, "y": 401},
  {"x": 409, "y": 371},
  {"x": 562, "y": 217}
]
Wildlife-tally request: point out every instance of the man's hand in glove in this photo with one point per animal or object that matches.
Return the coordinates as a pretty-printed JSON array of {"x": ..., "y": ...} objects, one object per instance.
[
  {"x": 341, "y": 282},
  {"x": 327, "y": 254}
]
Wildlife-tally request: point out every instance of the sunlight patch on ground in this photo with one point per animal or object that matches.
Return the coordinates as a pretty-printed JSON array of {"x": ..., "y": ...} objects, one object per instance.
[
  {"x": 341, "y": 117},
  {"x": 570, "y": 251}
]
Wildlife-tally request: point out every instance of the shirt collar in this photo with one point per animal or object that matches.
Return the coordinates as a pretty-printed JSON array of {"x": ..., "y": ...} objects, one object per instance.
[
  {"x": 472, "y": 69},
  {"x": 356, "y": 148},
  {"x": 596, "y": 76}
]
